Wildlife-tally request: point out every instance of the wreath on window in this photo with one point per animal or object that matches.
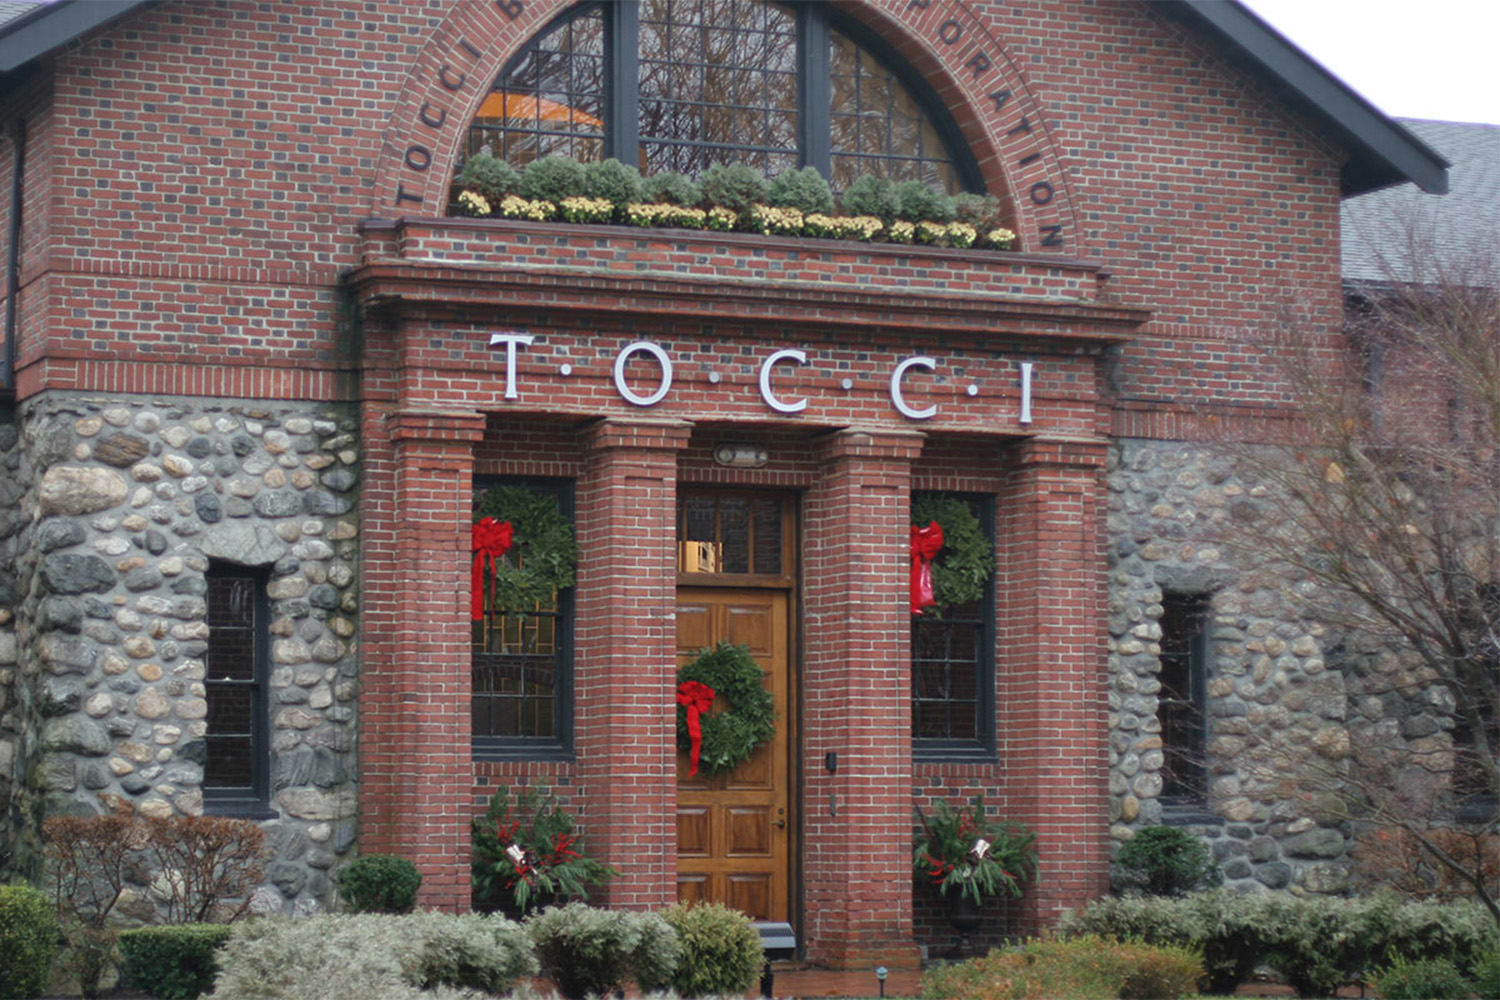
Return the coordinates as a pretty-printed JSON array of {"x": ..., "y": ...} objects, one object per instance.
[
  {"x": 542, "y": 553},
  {"x": 967, "y": 559},
  {"x": 728, "y": 739}
]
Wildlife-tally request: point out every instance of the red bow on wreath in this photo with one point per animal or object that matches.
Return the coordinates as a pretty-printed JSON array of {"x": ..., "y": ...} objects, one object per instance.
[
  {"x": 926, "y": 543},
  {"x": 490, "y": 540},
  {"x": 696, "y": 697}
]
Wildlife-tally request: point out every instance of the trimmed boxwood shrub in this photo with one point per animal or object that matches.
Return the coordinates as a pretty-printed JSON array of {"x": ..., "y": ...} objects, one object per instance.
[
  {"x": 734, "y": 186},
  {"x": 489, "y": 175},
  {"x": 28, "y": 941},
  {"x": 613, "y": 181},
  {"x": 379, "y": 883},
  {"x": 920, "y": 203},
  {"x": 721, "y": 952},
  {"x": 176, "y": 962},
  {"x": 552, "y": 178},
  {"x": 805, "y": 190},
  {"x": 871, "y": 195},
  {"x": 1420, "y": 979},
  {"x": 673, "y": 189}
]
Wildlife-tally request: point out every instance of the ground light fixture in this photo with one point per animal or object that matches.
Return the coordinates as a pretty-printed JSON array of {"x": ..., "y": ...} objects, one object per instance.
[{"x": 880, "y": 973}]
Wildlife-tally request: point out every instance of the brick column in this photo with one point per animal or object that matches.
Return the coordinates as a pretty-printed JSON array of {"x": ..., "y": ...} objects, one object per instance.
[
  {"x": 1051, "y": 712},
  {"x": 625, "y": 660},
  {"x": 856, "y": 702},
  {"x": 416, "y": 773}
]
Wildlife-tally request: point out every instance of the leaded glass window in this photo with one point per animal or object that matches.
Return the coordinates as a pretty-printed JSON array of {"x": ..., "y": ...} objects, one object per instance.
[{"x": 235, "y": 666}]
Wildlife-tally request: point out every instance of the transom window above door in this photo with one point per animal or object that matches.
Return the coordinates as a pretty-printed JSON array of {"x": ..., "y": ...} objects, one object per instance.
[{"x": 678, "y": 85}]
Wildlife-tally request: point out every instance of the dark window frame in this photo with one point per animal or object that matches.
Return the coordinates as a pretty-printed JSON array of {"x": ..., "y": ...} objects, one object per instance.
[
  {"x": 982, "y": 747},
  {"x": 253, "y": 799},
  {"x": 558, "y": 747},
  {"x": 814, "y": 21},
  {"x": 1183, "y": 714}
]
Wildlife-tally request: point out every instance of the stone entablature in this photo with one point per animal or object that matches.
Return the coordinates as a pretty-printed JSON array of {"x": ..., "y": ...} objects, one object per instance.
[{"x": 133, "y": 498}]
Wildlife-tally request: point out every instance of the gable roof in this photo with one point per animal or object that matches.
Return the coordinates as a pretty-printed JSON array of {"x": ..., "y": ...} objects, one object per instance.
[
  {"x": 1392, "y": 234},
  {"x": 1382, "y": 153}
]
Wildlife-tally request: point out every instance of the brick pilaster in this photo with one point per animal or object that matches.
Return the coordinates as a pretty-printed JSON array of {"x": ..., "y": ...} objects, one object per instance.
[
  {"x": 856, "y": 699},
  {"x": 415, "y": 768},
  {"x": 625, "y": 661},
  {"x": 1051, "y": 708}
]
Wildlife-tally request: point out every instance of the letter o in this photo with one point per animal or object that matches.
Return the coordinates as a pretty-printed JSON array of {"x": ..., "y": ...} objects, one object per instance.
[
  {"x": 1041, "y": 193},
  {"x": 666, "y": 373},
  {"x": 898, "y": 401},
  {"x": 950, "y": 31},
  {"x": 418, "y": 157}
]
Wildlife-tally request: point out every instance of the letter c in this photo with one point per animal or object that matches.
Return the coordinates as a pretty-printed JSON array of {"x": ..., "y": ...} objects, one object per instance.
[
  {"x": 920, "y": 361},
  {"x": 797, "y": 406}
]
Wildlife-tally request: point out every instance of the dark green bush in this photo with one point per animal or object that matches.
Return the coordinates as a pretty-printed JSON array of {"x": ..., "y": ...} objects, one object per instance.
[
  {"x": 587, "y": 951},
  {"x": 805, "y": 190},
  {"x": 721, "y": 950},
  {"x": 733, "y": 186},
  {"x": 982, "y": 211},
  {"x": 379, "y": 883},
  {"x": 1165, "y": 861},
  {"x": 1420, "y": 979},
  {"x": 1081, "y": 968},
  {"x": 919, "y": 203},
  {"x": 613, "y": 181},
  {"x": 673, "y": 189},
  {"x": 871, "y": 195},
  {"x": 552, "y": 178},
  {"x": 28, "y": 940},
  {"x": 1487, "y": 975},
  {"x": 489, "y": 175},
  {"x": 176, "y": 962}
]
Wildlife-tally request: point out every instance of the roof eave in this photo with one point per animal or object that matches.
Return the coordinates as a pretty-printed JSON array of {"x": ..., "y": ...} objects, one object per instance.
[
  {"x": 1382, "y": 153},
  {"x": 53, "y": 25}
]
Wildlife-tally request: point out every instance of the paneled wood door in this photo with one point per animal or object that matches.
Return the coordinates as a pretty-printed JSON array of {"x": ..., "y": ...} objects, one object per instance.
[{"x": 734, "y": 831}]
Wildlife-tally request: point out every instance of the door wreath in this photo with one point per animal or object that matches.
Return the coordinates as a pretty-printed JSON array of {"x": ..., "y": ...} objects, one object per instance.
[
  {"x": 538, "y": 554},
  {"x": 724, "y": 741},
  {"x": 966, "y": 559}
]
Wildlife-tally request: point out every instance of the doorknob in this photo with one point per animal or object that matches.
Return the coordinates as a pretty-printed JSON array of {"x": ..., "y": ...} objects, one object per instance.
[{"x": 779, "y": 824}]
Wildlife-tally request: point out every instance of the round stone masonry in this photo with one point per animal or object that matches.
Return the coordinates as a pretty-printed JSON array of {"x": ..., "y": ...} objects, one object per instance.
[
  {"x": 1275, "y": 726},
  {"x": 135, "y": 499}
]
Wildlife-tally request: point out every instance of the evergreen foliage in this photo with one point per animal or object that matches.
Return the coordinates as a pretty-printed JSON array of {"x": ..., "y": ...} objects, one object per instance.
[
  {"x": 920, "y": 203},
  {"x": 379, "y": 883},
  {"x": 552, "y": 178},
  {"x": 734, "y": 186},
  {"x": 805, "y": 190},
  {"x": 28, "y": 941},
  {"x": 173, "y": 962},
  {"x": 489, "y": 175},
  {"x": 672, "y": 188},
  {"x": 1166, "y": 861},
  {"x": 872, "y": 195},
  {"x": 613, "y": 181},
  {"x": 721, "y": 951},
  {"x": 591, "y": 952}
]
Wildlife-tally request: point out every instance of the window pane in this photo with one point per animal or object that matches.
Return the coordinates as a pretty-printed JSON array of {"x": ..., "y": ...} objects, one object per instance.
[
  {"x": 1180, "y": 705},
  {"x": 232, "y": 688},
  {"x": 230, "y": 762}
]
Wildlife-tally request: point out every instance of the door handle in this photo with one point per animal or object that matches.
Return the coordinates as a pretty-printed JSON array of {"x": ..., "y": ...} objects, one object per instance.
[{"x": 779, "y": 824}]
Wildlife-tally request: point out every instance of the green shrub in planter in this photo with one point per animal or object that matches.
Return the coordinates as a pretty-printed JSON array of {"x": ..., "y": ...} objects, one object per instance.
[
  {"x": 920, "y": 203},
  {"x": 871, "y": 195},
  {"x": 587, "y": 951},
  {"x": 721, "y": 950},
  {"x": 672, "y": 188},
  {"x": 805, "y": 190},
  {"x": 28, "y": 940},
  {"x": 379, "y": 883},
  {"x": 1165, "y": 861},
  {"x": 489, "y": 175},
  {"x": 733, "y": 186},
  {"x": 1420, "y": 979},
  {"x": 175, "y": 962},
  {"x": 552, "y": 178},
  {"x": 982, "y": 211},
  {"x": 613, "y": 181}
]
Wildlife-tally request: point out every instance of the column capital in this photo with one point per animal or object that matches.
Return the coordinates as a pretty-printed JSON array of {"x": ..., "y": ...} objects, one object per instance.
[
  {"x": 637, "y": 432},
  {"x": 1079, "y": 452},
  {"x": 457, "y": 426},
  {"x": 870, "y": 443}
]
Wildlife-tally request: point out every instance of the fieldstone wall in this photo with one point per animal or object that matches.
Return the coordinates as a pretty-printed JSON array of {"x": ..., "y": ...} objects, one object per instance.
[
  {"x": 133, "y": 499},
  {"x": 1277, "y": 727},
  {"x": 18, "y": 720}
]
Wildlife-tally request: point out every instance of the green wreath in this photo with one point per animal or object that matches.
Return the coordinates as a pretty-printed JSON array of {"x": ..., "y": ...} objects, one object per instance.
[
  {"x": 542, "y": 553},
  {"x": 730, "y": 738},
  {"x": 967, "y": 560}
]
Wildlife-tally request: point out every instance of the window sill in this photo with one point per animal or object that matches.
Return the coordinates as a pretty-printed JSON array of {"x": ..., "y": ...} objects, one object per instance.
[
  {"x": 950, "y": 754},
  {"x": 511, "y": 750},
  {"x": 256, "y": 809}
]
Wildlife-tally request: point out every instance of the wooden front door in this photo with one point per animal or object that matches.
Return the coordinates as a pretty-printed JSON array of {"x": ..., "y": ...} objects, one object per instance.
[{"x": 734, "y": 831}]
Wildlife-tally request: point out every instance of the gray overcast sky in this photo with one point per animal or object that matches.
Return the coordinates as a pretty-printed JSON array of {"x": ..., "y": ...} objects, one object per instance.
[{"x": 1435, "y": 59}]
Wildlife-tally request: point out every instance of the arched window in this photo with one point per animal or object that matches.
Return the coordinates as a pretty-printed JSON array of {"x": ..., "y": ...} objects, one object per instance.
[{"x": 682, "y": 84}]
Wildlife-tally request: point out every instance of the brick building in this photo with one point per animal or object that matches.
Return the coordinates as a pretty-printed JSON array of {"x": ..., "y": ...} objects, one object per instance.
[{"x": 259, "y": 374}]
